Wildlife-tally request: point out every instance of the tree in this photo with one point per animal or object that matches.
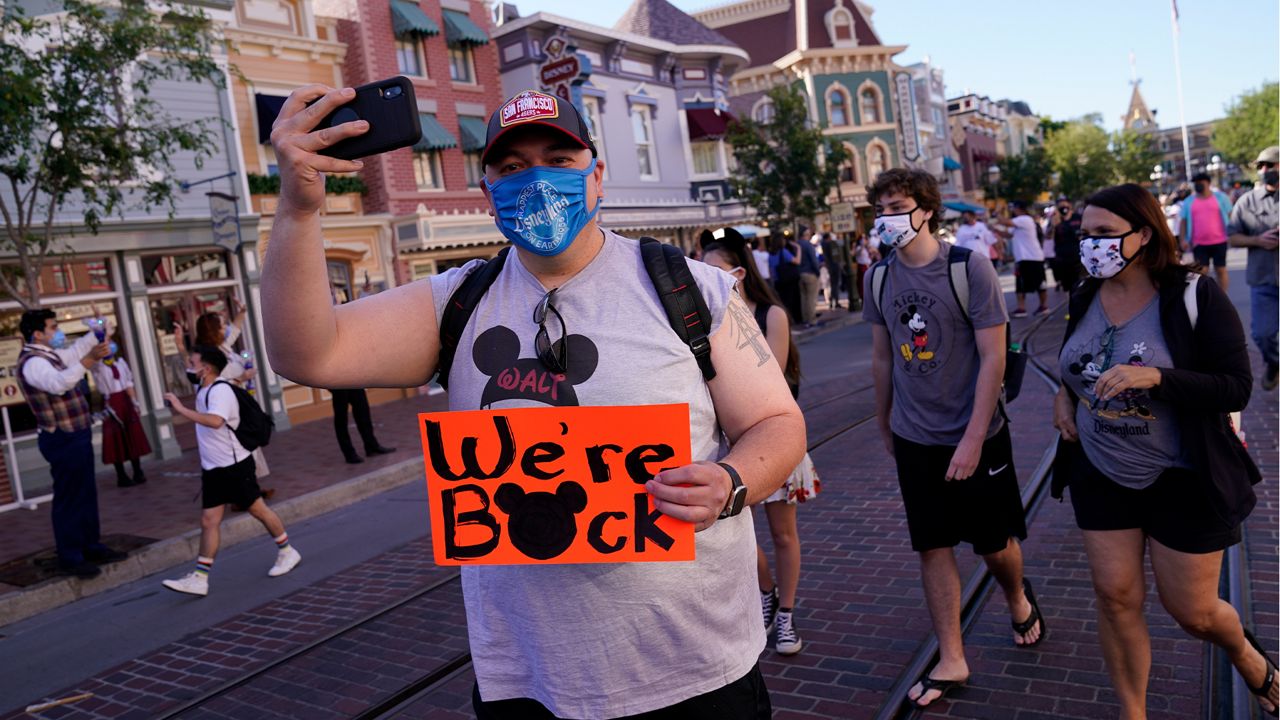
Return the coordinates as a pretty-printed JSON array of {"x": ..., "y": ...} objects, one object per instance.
[
  {"x": 786, "y": 167},
  {"x": 1023, "y": 177},
  {"x": 78, "y": 124},
  {"x": 1135, "y": 156},
  {"x": 1080, "y": 155},
  {"x": 1251, "y": 125}
]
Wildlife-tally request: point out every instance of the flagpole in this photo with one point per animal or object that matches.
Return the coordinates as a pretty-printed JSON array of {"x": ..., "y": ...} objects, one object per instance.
[{"x": 1177, "y": 70}]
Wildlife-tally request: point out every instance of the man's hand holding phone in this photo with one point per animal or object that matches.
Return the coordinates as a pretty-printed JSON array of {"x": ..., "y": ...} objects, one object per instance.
[{"x": 297, "y": 145}]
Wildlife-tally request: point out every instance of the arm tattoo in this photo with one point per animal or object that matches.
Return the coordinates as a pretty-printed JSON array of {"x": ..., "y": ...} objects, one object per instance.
[{"x": 747, "y": 332}]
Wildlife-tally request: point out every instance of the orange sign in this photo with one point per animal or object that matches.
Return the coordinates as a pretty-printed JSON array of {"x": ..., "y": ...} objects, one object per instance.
[{"x": 553, "y": 485}]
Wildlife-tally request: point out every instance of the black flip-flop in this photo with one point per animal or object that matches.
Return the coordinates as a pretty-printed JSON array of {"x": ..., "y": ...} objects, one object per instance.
[
  {"x": 942, "y": 686},
  {"x": 1024, "y": 627},
  {"x": 1262, "y": 690}
]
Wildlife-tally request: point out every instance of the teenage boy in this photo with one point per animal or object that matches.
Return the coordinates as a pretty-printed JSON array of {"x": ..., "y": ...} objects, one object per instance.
[
  {"x": 937, "y": 370},
  {"x": 228, "y": 476}
]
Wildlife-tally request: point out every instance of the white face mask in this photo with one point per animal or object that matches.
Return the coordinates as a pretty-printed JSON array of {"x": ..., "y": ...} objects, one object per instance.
[
  {"x": 1103, "y": 257},
  {"x": 896, "y": 230}
]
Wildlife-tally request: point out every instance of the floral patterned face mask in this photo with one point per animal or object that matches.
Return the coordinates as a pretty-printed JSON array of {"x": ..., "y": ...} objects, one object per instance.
[{"x": 1103, "y": 257}]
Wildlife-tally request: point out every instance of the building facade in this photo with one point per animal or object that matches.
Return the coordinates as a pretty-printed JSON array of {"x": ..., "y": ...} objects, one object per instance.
[
  {"x": 1022, "y": 130},
  {"x": 653, "y": 91},
  {"x": 147, "y": 270},
  {"x": 430, "y": 193},
  {"x": 977, "y": 125},
  {"x": 930, "y": 90}
]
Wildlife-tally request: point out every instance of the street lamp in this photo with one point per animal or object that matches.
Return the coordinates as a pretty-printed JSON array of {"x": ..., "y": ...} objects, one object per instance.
[
  {"x": 993, "y": 181},
  {"x": 1157, "y": 177},
  {"x": 1215, "y": 168}
]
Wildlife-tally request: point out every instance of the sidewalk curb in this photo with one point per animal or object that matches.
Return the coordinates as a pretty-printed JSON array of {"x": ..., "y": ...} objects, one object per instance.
[{"x": 168, "y": 553}]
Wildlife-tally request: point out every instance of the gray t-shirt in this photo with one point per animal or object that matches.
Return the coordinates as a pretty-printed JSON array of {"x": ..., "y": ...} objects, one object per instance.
[
  {"x": 1133, "y": 437},
  {"x": 935, "y": 355},
  {"x": 604, "y": 640},
  {"x": 1254, "y": 214}
]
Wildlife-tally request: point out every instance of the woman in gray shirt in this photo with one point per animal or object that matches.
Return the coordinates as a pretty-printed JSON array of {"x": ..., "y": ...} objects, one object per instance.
[{"x": 1147, "y": 450}]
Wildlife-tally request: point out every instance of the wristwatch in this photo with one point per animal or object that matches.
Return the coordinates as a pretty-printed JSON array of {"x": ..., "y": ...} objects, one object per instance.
[{"x": 737, "y": 494}]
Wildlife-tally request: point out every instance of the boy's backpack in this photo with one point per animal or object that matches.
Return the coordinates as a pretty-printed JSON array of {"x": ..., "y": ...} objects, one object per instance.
[
  {"x": 668, "y": 271},
  {"x": 1015, "y": 366},
  {"x": 256, "y": 425}
]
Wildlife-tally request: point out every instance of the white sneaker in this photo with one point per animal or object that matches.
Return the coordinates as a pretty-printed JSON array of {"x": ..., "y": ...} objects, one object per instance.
[
  {"x": 286, "y": 560},
  {"x": 192, "y": 584},
  {"x": 787, "y": 643}
]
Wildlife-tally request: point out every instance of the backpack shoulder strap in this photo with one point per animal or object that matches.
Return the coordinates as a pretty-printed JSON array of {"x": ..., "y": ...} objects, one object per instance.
[
  {"x": 958, "y": 274},
  {"x": 686, "y": 308},
  {"x": 878, "y": 272},
  {"x": 457, "y": 312},
  {"x": 1189, "y": 298}
]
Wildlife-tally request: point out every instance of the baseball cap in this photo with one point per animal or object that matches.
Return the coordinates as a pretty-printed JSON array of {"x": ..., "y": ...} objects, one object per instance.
[
  {"x": 531, "y": 107},
  {"x": 1270, "y": 155}
]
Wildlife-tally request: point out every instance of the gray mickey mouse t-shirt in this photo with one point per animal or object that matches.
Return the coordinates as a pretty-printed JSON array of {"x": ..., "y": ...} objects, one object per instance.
[
  {"x": 935, "y": 355},
  {"x": 604, "y": 640}
]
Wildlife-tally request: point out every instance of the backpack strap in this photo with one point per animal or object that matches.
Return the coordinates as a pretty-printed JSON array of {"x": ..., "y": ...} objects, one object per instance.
[
  {"x": 958, "y": 274},
  {"x": 686, "y": 308},
  {"x": 457, "y": 312},
  {"x": 878, "y": 272},
  {"x": 1189, "y": 298}
]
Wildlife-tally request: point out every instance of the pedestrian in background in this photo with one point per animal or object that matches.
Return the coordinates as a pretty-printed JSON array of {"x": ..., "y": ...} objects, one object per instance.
[
  {"x": 1153, "y": 360},
  {"x": 228, "y": 476},
  {"x": 1065, "y": 228},
  {"x": 787, "y": 275},
  {"x": 810, "y": 269},
  {"x": 761, "y": 257},
  {"x": 938, "y": 369},
  {"x": 1204, "y": 226},
  {"x": 974, "y": 234},
  {"x": 1253, "y": 225},
  {"x": 358, "y": 401},
  {"x": 1024, "y": 234},
  {"x": 51, "y": 376},
  {"x": 725, "y": 249},
  {"x": 123, "y": 439},
  {"x": 833, "y": 260}
]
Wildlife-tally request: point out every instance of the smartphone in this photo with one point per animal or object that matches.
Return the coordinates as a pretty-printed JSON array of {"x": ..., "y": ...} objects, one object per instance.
[{"x": 391, "y": 109}]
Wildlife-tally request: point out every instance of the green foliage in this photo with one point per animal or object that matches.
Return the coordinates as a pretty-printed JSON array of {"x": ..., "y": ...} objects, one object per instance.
[
  {"x": 1023, "y": 177},
  {"x": 780, "y": 172},
  {"x": 1051, "y": 126},
  {"x": 333, "y": 184},
  {"x": 1252, "y": 124},
  {"x": 1080, "y": 154},
  {"x": 78, "y": 123},
  {"x": 1135, "y": 156}
]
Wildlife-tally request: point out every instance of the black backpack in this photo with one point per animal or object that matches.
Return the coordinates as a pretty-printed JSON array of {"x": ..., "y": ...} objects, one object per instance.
[
  {"x": 668, "y": 271},
  {"x": 256, "y": 425}
]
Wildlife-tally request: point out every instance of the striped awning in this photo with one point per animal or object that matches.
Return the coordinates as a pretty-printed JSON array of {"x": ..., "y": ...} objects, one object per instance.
[
  {"x": 408, "y": 20},
  {"x": 434, "y": 136},
  {"x": 473, "y": 131},
  {"x": 460, "y": 30}
]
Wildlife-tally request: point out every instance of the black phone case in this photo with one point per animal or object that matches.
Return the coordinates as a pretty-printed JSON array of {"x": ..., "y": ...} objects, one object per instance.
[{"x": 393, "y": 121}]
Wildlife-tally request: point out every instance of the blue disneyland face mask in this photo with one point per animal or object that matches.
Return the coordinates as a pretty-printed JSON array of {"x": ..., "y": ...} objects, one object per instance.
[{"x": 542, "y": 209}]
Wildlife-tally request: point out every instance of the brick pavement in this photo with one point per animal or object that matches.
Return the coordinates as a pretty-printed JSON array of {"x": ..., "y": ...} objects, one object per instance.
[
  {"x": 302, "y": 459},
  {"x": 860, "y": 609}
]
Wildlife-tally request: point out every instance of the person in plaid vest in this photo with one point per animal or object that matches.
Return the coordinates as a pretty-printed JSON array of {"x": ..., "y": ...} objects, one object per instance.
[{"x": 50, "y": 374}]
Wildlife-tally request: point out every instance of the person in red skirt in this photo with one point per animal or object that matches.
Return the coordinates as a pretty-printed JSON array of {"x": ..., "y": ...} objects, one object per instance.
[{"x": 122, "y": 436}]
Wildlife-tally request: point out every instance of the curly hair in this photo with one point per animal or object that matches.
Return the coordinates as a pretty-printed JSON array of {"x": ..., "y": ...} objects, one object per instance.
[{"x": 916, "y": 184}]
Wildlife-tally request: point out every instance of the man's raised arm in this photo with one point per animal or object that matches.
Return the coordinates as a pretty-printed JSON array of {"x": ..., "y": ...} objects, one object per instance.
[{"x": 386, "y": 340}]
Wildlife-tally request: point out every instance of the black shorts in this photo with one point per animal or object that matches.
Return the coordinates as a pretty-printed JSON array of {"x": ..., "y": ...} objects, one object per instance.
[
  {"x": 231, "y": 485},
  {"x": 984, "y": 510},
  {"x": 743, "y": 699},
  {"x": 1175, "y": 511},
  {"x": 1217, "y": 254},
  {"x": 1030, "y": 276}
]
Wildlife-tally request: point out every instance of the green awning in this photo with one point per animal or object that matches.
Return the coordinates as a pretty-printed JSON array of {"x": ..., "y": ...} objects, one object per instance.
[
  {"x": 434, "y": 137},
  {"x": 408, "y": 20},
  {"x": 459, "y": 30},
  {"x": 473, "y": 132}
]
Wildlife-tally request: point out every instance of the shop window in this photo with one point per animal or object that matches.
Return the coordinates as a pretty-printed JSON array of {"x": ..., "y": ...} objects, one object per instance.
[
  {"x": 877, "y": 161},
  {"x": 422, "y": 269},
  {"x": 426, "y": 170},
  {"x": 340, "y": 282},
  {"x": 706, "y": 158},
  {"x": 594, "y": 127},
  {"x": 460, "y": 66},
  {"x": 475, "y": 170},
  {"x": 869, "y": 98},
  {"x": 409, "y": 58},
  {"x": 170, "y": 310},
  {"x": 186, "y": 268},
  {"x": 763, "y": 111},
  {"x": 99, "y": 275},
  {"x": 837, "y": 107},
  {"x": 642, "y": 131}
]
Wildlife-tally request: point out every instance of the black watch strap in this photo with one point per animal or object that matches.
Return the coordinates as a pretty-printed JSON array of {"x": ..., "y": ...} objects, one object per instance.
[{"x": 737, "y": 493}]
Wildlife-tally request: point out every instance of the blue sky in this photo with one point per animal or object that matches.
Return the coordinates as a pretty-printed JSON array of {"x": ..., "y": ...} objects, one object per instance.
[{"x": 1065, "y": 59}]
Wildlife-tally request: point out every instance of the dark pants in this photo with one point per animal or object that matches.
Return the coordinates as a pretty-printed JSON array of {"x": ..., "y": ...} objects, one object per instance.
[
  {"x": 75, "y": 492},
  {"x": 359, "y": 403},
  {"x": 789, "y": 293},
  {"x": 743, "y": 699}
]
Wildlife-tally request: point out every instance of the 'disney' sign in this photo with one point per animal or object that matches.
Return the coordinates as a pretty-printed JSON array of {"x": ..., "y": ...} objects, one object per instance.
[{"x": 553, "y": 485}]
